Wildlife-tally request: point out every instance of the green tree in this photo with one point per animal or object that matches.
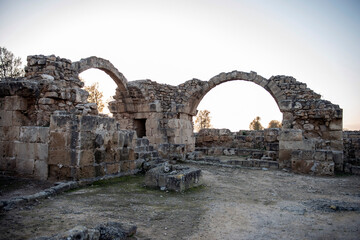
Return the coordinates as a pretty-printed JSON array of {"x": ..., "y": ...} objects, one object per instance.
[
  {"x": 255, "y": 124},
  {"x": 274, "y": 124},
  {"x": 203, "y": 120},
  {"x": 95, "y": 96},
  {"x": 10, "y": 66}
]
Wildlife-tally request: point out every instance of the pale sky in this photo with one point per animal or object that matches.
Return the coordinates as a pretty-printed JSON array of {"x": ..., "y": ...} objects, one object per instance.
[{"x": 170, "y": 41}]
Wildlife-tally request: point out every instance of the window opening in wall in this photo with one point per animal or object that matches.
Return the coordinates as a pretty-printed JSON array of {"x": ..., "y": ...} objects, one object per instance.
[{"x": 140, "y": 127}]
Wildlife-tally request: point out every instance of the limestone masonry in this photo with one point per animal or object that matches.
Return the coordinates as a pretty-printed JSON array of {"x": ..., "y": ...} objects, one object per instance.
[{"x": 49, "y": 131}]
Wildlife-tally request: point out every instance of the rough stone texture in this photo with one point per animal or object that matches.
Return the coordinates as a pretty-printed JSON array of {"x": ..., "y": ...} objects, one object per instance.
[
  {"x": 107, "y": 231},
  {"x": 160, "y": 112},
  {"x": 351, "y": 152},
  {"x": 173, "y": 177},
  {"x": 262, "y": 144},
  {"x": 89, "y": 146},
  {"x": 168, "y": 111}
]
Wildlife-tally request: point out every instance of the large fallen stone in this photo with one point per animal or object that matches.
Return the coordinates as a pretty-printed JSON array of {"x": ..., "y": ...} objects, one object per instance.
[
  {"x": 107, "y": 231},
  {"x": 173, "y": 177}
]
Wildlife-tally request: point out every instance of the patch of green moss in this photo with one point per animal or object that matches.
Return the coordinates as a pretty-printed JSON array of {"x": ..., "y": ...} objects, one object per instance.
[
  {"x": 195, "y": 189},
  {"x": 342, "y": 174}
]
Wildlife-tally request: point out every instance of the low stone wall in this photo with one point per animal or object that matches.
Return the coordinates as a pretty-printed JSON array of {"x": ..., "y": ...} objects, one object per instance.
[
  {"x": 24, "y": 150},
  {"x": 263, "y": 144},
  {"x": 352, "y": 151}
]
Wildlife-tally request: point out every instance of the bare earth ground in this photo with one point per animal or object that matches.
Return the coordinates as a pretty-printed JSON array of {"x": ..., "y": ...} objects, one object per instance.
[{"x": 234, "y": 204}]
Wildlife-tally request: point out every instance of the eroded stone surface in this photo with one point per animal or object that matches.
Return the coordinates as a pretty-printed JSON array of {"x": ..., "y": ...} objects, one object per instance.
[
  {"x": 173, "y": 177},
  {"x": 162, "y": 113}
]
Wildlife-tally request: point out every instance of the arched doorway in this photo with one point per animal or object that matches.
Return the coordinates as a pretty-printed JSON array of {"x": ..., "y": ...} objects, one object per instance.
[
  {"x": 233, "y": 105},
  {"x": 101, "y": 87}
]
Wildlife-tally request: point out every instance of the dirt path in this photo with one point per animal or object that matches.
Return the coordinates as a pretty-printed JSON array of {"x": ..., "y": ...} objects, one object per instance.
[{"x": 234, "y": 204}]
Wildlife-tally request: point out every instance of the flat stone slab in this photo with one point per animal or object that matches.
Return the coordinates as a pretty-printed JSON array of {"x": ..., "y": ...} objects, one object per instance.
[{"x": 173, "y": 177}]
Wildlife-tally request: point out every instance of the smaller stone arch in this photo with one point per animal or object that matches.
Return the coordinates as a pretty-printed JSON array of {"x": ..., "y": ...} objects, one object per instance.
[{"x": 104, "y": 65}]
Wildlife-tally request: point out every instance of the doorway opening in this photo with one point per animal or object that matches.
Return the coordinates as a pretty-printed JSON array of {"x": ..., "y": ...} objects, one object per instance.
[{"x": 140, "y": 127}]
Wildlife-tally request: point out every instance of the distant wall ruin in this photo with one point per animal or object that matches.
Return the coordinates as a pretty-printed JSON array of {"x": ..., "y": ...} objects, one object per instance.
[{"x": 161, "y": 113}]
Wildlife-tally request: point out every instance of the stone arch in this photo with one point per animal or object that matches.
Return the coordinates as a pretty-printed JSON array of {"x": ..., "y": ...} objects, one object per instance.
[
  {"x": 311, "y": 137},
  {"x": 104, "y": 65},
  {"x": 199, "y": 93}
]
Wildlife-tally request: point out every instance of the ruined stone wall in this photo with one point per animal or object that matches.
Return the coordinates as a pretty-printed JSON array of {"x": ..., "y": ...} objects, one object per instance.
[
  {"x": 262, "y": 144},
  {"x": 49, "y": 130},
  {"x": 317, "y": 123},
  {"x": 89, "y": 146},
  {"x": 311, "y": 141},
  {"x": 352, "y": 152}
]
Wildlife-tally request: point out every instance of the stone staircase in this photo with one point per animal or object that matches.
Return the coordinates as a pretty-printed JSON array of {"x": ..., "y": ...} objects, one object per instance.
[
  {"x": 263, "y": 161},
  {"x": 146, "y": 156}
]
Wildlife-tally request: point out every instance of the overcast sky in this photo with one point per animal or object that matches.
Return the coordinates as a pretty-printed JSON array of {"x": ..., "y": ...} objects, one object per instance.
[{"x": 169, "y": 41}]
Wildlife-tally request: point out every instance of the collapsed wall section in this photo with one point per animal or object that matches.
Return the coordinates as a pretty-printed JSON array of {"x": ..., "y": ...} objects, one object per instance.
[
  {"x": 89, "y": 146},
  {"x": 261, "y": 144},
  {"x": 48, "y": 129}
]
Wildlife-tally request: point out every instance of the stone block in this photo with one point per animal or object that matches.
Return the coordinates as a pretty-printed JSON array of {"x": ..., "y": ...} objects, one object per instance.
[
  {"x": 25, "y": 166},
  {"x": 51, "y": 95},
  {"x": 332, "y": 135},
  {"x": 126, "y": 166},
  {"x": 285, "y": 158},
  {"x": 7, "y": 149},
  {"x": 24, "y": 150},
  {"x": 336, "y": 125},
  {"x": 89, "y": 123},
  {"x": 285, "y": 105},
  {"x": 174, "y": 178},
  {"x": 41, "y": 170},
  {"x": 308, "y": 127},
  {"x": 271, "y": 134},
  {"x": 34, "y": 134},
  {"x": 46, "y": 101},
  {"x": 59, "y": 141},
  {"x": 7, "y": 164},
  {"x": 100, "y": 156},
  {"x": 112, "y": 168},
  {"x": 87, "y": 140},
  {"x": 15, "y": 103},
  {"x": 64, "y": 122},
  {"x": 312, "y": 167},
  {"x": 5, "y": 118},
  {"x": 10, "y": 133},
  {"x": 86, "y": 158},
  {"x": 302, "y": 166},
  {"x": 337, "y": 145},
  {"x": 61, "y": 157},
  {"x": 291, "y": 135},
  {"x": 41, "y": 151},
  {"x": 297, "y": 145},
  {"x": 59, "y": 172},
  {"x": 99, "y": 170},
  {"x": 19, "y": 119},
  {"x": 86, "y": 172},
  {"x": 320, "y": 155}
]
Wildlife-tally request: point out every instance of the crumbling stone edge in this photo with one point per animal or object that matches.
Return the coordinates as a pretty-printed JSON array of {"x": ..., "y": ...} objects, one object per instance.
[
  {"x": 109, "y": 230},
  {"x": 59, "y": 187},
  {"x": 204, "y": 162}
]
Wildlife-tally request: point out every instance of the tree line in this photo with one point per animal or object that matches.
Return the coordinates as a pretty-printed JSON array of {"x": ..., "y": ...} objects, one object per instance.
[{"x": 203, "y": 120}]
